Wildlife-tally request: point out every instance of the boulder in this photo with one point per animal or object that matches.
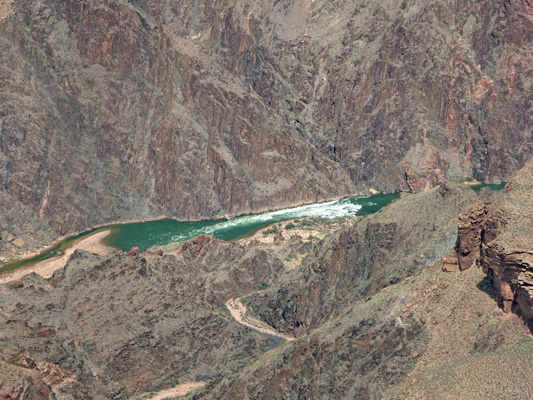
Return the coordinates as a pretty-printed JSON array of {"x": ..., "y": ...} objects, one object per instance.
[{"x": 134, "y": 252}]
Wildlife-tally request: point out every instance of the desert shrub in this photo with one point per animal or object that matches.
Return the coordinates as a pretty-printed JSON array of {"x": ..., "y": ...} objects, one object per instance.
[{"x": 269, "y": 231}]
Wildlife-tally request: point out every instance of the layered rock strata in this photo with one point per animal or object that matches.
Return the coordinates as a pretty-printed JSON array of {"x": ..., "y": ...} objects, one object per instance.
[{"x": 497, "y": 237}]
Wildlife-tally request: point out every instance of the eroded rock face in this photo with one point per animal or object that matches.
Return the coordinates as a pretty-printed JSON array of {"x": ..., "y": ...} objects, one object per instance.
[
  {"x": 498, "y": 238},
  {"x": 113, "y": 110},
  {"x": 511, "y": 271},
  {"x": 479, "y": 224}
]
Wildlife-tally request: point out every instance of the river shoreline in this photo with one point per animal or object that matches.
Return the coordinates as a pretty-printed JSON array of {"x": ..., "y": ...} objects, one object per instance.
[
  {"x": 46, "y": 268},
  {"x": 217, "y": 217},
  {"x": 118, "y": 229}
]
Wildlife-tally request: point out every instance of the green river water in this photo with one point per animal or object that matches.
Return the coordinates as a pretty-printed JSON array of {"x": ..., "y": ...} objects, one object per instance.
[
  {"x": 146, "y": 234},
  {"x": 493, "y": 186}
]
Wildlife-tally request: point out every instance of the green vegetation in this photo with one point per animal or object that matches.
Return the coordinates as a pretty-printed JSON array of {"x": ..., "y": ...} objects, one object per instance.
[
  {"x": 222, "y": 307},
  {"x": 269, "y": 231},
  {"x": 248, "y": 299},
  {"x": 290, "y": 225},
  {"x": 308, "y": 222},
  {"x": 292, "y": 255}
]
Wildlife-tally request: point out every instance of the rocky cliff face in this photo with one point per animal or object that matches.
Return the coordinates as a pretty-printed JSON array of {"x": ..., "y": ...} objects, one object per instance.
[
  {"x": 497, "y": 237},
  {"x": 113, "y": 110}
]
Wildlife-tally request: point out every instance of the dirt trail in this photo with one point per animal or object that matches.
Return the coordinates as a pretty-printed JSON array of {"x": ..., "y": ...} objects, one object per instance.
[
  {"x": 238, "y": 311},
  {"x": 179, "y": 390},
  {"x": 47, "y": 267}
]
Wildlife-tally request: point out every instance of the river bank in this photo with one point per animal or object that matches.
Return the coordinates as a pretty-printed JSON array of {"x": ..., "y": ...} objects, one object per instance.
[
  {"x": 159, "y": 232},
  {"x": 46, "y": 268}
]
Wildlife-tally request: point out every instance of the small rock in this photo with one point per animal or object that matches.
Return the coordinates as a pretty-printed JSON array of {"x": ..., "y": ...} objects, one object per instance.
[
  {"x": 278, "y": 238},
  {"x": 450, "y": 262},
  {"x": 46, "y": 331},
  {"x": 15, "y": 284},
  {"x": 415, "y": 354},
  {"x": 423, "y": 320},
  {"x": 18, "y": 242},
  {"x": 134, "y": 252}
]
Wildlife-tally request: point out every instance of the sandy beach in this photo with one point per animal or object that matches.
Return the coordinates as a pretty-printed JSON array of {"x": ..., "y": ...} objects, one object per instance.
[
  {"x": 46, "y": 268},
  {"x": 179, "y": 390}
]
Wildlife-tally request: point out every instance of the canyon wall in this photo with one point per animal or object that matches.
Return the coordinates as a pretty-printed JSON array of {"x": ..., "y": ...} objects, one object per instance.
[{"x": 116, "y": 110}]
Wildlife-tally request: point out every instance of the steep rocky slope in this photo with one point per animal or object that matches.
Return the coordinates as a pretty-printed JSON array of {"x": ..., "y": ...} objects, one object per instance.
[
  {"x": 435, "y": 336},
  {"x": 356, "y": 263},
  {"x": 129, "y": 325},
  {"x": 113, "y": 110},
  {"x": 376, "y": 317}
]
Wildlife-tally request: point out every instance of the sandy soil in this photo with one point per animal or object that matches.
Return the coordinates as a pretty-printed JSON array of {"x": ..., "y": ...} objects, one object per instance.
[
  {"x": 179, "y": 390},
  {"x": 305, "y": 233},
  {"x": 46, "y": 268},
  {"x": 238, "y": 311},
  {"x": 472, "y": 183},
  {"x": 6, "y": 9}
]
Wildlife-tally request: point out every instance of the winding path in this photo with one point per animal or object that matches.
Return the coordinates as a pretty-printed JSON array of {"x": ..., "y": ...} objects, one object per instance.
[{"x": 238, "y": 311}]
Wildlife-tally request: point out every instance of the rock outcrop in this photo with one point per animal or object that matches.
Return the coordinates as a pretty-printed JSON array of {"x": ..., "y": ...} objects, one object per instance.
[
  {"x": 114, "y": 110},
  {"x": 498, "y": 238},
  {"x": 478, "y": 225}
]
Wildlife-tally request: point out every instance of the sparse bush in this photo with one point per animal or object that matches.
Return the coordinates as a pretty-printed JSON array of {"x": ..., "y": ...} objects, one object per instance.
[
  {"x": 292, "y": 255},
  {"x": 248, "y": 299},
  {"x": 290, "y": 225},
  {"x": 269, "y": 231}
]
